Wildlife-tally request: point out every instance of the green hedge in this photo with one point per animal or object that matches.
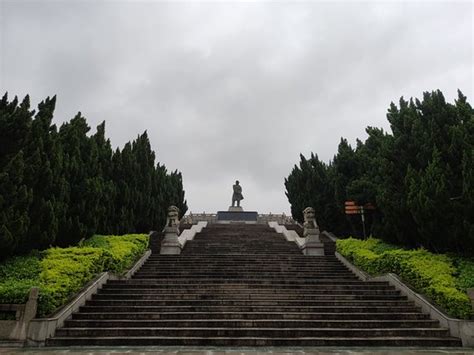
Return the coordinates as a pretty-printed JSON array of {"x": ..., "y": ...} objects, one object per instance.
[
  {"x": 123, "y": 250},
  {"x": 442, "y": 278},
  {"x": 61, "y": 272}
]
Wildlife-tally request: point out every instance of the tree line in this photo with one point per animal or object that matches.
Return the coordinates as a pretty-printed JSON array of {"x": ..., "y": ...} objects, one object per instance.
[
  {"x": 58, "y": 186},
  {"x": 419, "y": 177}
]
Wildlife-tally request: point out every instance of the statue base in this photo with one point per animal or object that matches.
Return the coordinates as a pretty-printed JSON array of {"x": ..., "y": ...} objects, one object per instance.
[
  {"x": 237, "y": 216},
  {"x": 313, "y": 248},
  {"x": 170, "y": 244},
  {"x": 235, "y": 209}
]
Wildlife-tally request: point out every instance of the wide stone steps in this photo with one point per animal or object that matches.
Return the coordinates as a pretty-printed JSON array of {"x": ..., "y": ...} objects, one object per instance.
[
  {"x": 256, "y": 341},
  {"x": 242, "y": 280},
  {"x": 254, "y": 323},
  {"x": 221, "y": 270},
  {"x": 252, "y": 308},
  {"x": 221, "y": 296},
  {"x": 242, "y": 275},
  {"x": 192, "y": 293},
  {"x": 239, "y": 286},
  {"x": 245, "y": 285},
  {"x": 358, "y": 317},
  {"x": 245, "y": 302},
  {"x": 249, "y": 332}
]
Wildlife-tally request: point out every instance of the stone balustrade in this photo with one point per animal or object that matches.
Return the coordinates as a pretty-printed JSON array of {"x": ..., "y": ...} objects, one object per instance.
[
  {"x": 193, "y": 218},
  {"x": 16, "y": 330}
]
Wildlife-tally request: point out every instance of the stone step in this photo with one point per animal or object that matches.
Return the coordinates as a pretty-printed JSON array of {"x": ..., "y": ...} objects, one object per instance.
[
  {"x": 228, "y": 276},
  {"x": 252, "y": 332},
  {"x": 260, "y": 281},
  {"x": 219, "y": 258},
  {"x": 202, "y": 296},
  {"x": 229, "y": 264},
  {"x": 223, "y": 270},
  {"x": 139, "y": 284},
  {"x": 256, "y": 341},
  {"x": 254, "y": 315},
  {"x": 250, "y": 268},
  {"x": 248, "y": 293},
  {"x": 298, "y": 259},
  {"x": 254, "y": 323},
  {"x": 98, "y": 301},
  {"x": 251, "y": 308}
]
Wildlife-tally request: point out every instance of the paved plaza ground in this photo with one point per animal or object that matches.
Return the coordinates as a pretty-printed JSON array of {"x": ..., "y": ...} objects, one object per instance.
[{"x": 233, "y": 351}]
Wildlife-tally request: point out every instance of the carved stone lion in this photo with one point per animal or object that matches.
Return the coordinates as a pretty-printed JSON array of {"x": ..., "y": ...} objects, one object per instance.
[
  {"x": 172, "y": 220},
  {"x": 309, "y": 218}
]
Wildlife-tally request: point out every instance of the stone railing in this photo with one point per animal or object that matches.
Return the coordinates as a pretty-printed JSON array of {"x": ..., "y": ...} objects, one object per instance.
[
  {"x": 279, "y": 218},
  {"x": 193, "y": 218},
  {"x": 16, "y": 330}
]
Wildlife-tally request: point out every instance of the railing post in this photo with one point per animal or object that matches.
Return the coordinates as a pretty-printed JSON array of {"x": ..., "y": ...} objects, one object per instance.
[
  {"x": 470, "y": 293},
  {"x": 170, "y": 244},
  {"x": 313, "y": 245},
  {"x": 31, "y": 306}
]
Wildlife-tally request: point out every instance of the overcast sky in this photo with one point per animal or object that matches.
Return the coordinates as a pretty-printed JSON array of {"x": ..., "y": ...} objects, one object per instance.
[{"x": 230, "y": 90}]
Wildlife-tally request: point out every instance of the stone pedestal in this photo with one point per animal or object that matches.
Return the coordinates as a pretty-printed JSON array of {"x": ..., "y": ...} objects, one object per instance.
[
  {"x": 235, "y": 209},
  {"x": 237, "y": 216},
  {"x": 170, "y": 244},
  {"x": 313, "y": 248},
  {"x": 313, "y": 245}
]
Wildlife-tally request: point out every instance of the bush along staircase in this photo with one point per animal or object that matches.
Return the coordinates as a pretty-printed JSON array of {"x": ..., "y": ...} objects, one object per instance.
[{"x": 246, "y": 285}]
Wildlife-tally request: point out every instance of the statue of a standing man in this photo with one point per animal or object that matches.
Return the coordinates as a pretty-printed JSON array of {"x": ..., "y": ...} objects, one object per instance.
[{"x": 237, "y": 196}]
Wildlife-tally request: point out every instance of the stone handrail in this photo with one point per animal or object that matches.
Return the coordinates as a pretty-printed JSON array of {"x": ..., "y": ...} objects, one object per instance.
[
  {"x": 290, "y": 235},
  {"x": 24, "y": 313},
  {"x": 189, "y": 234}
]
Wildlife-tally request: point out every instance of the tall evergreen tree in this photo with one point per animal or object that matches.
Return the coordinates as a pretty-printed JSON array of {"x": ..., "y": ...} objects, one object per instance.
[
  {"x": 419, "y": 177},
  {"x": 57, "y": 187}
]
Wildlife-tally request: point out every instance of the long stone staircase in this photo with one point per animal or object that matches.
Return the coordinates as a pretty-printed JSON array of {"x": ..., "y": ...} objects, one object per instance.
[{"x": 245, "y": 285}]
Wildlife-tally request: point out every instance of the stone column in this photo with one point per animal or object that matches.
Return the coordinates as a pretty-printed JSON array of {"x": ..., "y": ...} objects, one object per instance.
[
  {"x": 470, "y": 293},
  {"x": 170, "y": 244},
  {"x": 313, "y": 245}
]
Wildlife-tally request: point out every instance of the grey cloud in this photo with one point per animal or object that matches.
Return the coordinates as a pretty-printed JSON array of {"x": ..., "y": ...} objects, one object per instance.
[{"x": 235, "y": 90}]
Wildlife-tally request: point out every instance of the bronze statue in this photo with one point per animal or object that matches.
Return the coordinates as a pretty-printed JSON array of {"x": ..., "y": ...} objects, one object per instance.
[{"x": 237, "y": 195}]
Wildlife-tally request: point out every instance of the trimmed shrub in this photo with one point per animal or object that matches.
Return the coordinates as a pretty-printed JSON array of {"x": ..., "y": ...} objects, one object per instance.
[
  {"x": 66, "y": 271},
  {"x": 465, "y": 277},
  {"x": 17, "y": 276},
  {"x": 124, "y": 250},
  {"x": 62, "y": 272},
  {"x": 431, "y": 274}
]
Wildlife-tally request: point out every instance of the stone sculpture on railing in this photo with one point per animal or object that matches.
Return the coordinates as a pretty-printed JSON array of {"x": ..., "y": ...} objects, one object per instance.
[
  {"x": 170, "y": 243},
  {"x": 313, "y": 245},
  {"x": 310, "y": 225},
  {"x": 172, "y": 219}
]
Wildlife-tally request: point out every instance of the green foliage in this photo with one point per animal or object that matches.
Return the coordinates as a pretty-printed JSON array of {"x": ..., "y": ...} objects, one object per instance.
[
  {"x": 419, "y": 176},
  {"x": 61, "y": 185},
  {"x": 122, "y": 250},
  {"x": 465, "y": 278},
  {"x": 309, "y": 185},
  {"x": 65, "y": 271},
  {"x": 17, "y": 276},
  {"x": 434, "y": 275},
  {"x": 61, "y": 272}
]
